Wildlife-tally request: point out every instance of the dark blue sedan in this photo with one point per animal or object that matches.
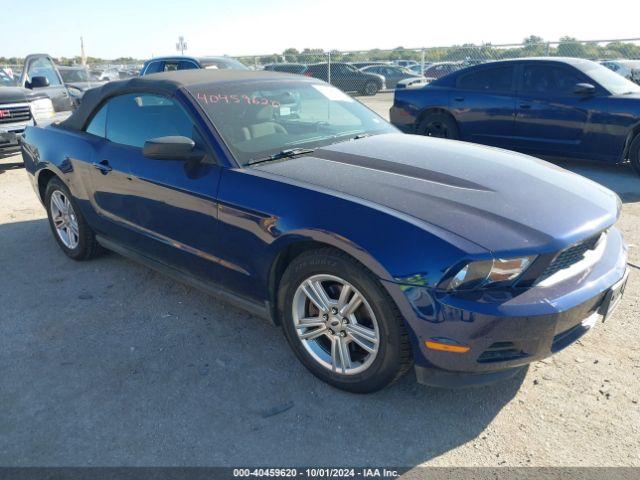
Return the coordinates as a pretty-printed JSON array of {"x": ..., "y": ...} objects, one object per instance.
[
  {"x": 551, "y": 107},
  {"x": 372, "y": 249}
]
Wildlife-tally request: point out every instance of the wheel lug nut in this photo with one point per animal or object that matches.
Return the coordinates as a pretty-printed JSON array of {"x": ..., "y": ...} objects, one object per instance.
[
  {"x": 334, "y": 310},
  {"x": 342, "y": 334},
  {"x": 325, "y": 316}
]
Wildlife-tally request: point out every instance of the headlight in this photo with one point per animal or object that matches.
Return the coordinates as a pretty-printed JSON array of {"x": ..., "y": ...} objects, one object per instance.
[
  {"x": 42, "y": 109},
  {"x": 489, "y": 272}
]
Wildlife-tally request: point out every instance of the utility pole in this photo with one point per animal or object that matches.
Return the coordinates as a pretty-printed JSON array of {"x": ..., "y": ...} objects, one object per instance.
[
  {"x": 83, "y": 57},
  {"x": 181, "y": 46}
]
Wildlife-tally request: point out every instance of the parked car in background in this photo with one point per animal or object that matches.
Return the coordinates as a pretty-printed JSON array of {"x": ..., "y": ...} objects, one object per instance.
[
  {"x": 78, "y": 80},
  {"x": 361, "y": 65},
  {"x": 418, "y": 68},
  {"x": 298, "y": 68},
  {"x": 392, "y": 75},
  {"x": 442, "y": 69},
  {"x": 372, "y": 249},
  {"x": 629, "y": 69},
  {"x": 555, "y": 107},
  {"x": 413, "y": 82},
  {"x": 405, "y": 63},
  {"x": 168, "y": 64},
  {"x": 347, "y": 77},
  {"x": 109, "y": 75}
]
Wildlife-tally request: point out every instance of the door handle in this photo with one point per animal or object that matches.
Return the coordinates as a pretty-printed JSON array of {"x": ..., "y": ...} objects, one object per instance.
[
  {"x": 103, "y": 166},
  {"x": 525, "y": 106},
  {"x": 459, "y": 99}
]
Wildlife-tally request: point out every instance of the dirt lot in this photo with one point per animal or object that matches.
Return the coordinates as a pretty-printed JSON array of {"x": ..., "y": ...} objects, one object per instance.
[{"x": 108, "y": 363}]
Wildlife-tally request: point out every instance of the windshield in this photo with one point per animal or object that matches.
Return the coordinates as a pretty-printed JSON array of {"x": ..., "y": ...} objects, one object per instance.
[
  {"x": 260, "y": 119},
  {"x": 6, "y": 80},
  {"x": 615, "y": 83},
  {"x": 74, "y": 75}
]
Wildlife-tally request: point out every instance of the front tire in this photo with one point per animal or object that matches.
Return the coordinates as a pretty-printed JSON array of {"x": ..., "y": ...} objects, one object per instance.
[
  {"x": 69, "y": 228},
  {"x": 341, "y": 324},
  {"x": 634, "y": 154}
]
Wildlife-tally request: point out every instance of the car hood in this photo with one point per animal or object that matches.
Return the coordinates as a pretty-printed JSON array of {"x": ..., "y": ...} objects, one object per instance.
[
  {"x": 15, "y": 95},
  {"x": 500, "y": 200}
]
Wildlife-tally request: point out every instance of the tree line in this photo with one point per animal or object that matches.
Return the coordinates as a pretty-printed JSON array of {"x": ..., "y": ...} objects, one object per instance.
[{"x": 531, "y": 46}]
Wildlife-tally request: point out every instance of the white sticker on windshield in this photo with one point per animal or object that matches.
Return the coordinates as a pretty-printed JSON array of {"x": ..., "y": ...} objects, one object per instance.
[
  {"x": 285, "y": 111},
  {"x": 333, "y": 93}
]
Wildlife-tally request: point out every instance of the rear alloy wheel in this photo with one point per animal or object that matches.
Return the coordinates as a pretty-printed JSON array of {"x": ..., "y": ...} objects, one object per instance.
[
  {"x": 439, "y": 125},
  {"x": 634, "y": 154},
  {"x": 74, "y": 236},
  {"x": 341, "y": 323},
  {"x": 371, "y": 88},
  {"x": 64, "y": 220}
]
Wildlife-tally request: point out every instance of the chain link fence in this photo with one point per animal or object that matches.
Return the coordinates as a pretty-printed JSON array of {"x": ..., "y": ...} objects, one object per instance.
[{"x": 369, "y": 71}]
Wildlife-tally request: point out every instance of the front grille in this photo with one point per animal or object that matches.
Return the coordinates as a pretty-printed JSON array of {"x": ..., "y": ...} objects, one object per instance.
[
  {"x": 501, "y": 352},
  {"x": 570, "y": 256},
  {"x": 15, "y": 113}
]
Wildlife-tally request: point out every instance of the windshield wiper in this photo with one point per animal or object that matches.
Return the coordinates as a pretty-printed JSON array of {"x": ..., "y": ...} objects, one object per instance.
[
  {"x": 361, "y": 135},
  {"x": 287, "y": 153}
]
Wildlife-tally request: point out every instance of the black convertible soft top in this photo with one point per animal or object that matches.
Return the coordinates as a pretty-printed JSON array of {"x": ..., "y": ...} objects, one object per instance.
[{"x": 166, "y": 83}]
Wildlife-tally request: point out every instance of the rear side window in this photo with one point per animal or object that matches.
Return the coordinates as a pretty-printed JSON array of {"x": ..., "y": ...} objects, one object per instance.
[
  {"x": 497, "y": 79},
  {"x": 136, "y": 118},
  {"x": 549, "y": 79},
  {"x": 98, "y": 124},
  {"x": 154, "y": 67}
]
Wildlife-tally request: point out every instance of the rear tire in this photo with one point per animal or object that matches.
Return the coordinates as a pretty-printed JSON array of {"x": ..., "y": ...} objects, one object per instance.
[
  {"x": 634, "y": 154},
  {"x": 358, "y": 342},
  {"x": 439, "y": 125},
  {"x": 69, "y": 228},
  {"x": 371, "y": 88}
]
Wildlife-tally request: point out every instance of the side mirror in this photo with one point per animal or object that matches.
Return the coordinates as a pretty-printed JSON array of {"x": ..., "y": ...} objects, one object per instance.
[
  {"x": 38, "y": 82},
  {"x": 584, "y": 89},
  {"x": 171, "y": 148}
]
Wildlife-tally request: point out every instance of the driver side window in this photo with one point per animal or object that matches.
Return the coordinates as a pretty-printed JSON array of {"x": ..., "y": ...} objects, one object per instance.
[
  {"x": 136, "y": 118},
  {"x": 42, "y": 67}
]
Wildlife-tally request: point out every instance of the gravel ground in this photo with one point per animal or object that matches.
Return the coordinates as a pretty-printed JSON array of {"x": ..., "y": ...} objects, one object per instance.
[{"x": 108, "y": 363}]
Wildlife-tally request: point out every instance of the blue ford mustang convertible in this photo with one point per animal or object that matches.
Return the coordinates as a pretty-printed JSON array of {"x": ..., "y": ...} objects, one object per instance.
[
  {"x": 373, "y": 250},
  {"x": 553, "y": 107}
]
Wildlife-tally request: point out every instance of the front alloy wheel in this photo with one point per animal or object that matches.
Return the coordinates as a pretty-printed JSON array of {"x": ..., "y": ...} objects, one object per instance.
[
  {"x": 335, "y": 324},
  {"x": 341, "y": 323}
]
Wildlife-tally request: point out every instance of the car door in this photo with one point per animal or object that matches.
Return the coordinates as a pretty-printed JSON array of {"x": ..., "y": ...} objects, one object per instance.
[
  {"x": 550, "y": 118},
  {"x": 483, "y": 104},
  {"x": 393, "y": 75},
  {"x": 43, "y": 66},
  {"x": 105, "y": 177},
  {"x": 170, "y": 205},
  {"x": 343, "y": 78}
]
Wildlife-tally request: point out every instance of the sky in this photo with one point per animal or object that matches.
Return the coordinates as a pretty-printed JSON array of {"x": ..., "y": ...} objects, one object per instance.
[{"x": 145, "y": 28}]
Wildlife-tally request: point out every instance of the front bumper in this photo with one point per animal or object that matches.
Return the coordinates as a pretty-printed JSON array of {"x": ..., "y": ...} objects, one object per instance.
[
  {"x": 10, "y": 135},
  {"x": 506, "y": 330}
]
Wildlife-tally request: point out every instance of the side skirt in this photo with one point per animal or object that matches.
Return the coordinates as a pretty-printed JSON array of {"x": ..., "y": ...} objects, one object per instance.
[{"x": 254, "y": 308}]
